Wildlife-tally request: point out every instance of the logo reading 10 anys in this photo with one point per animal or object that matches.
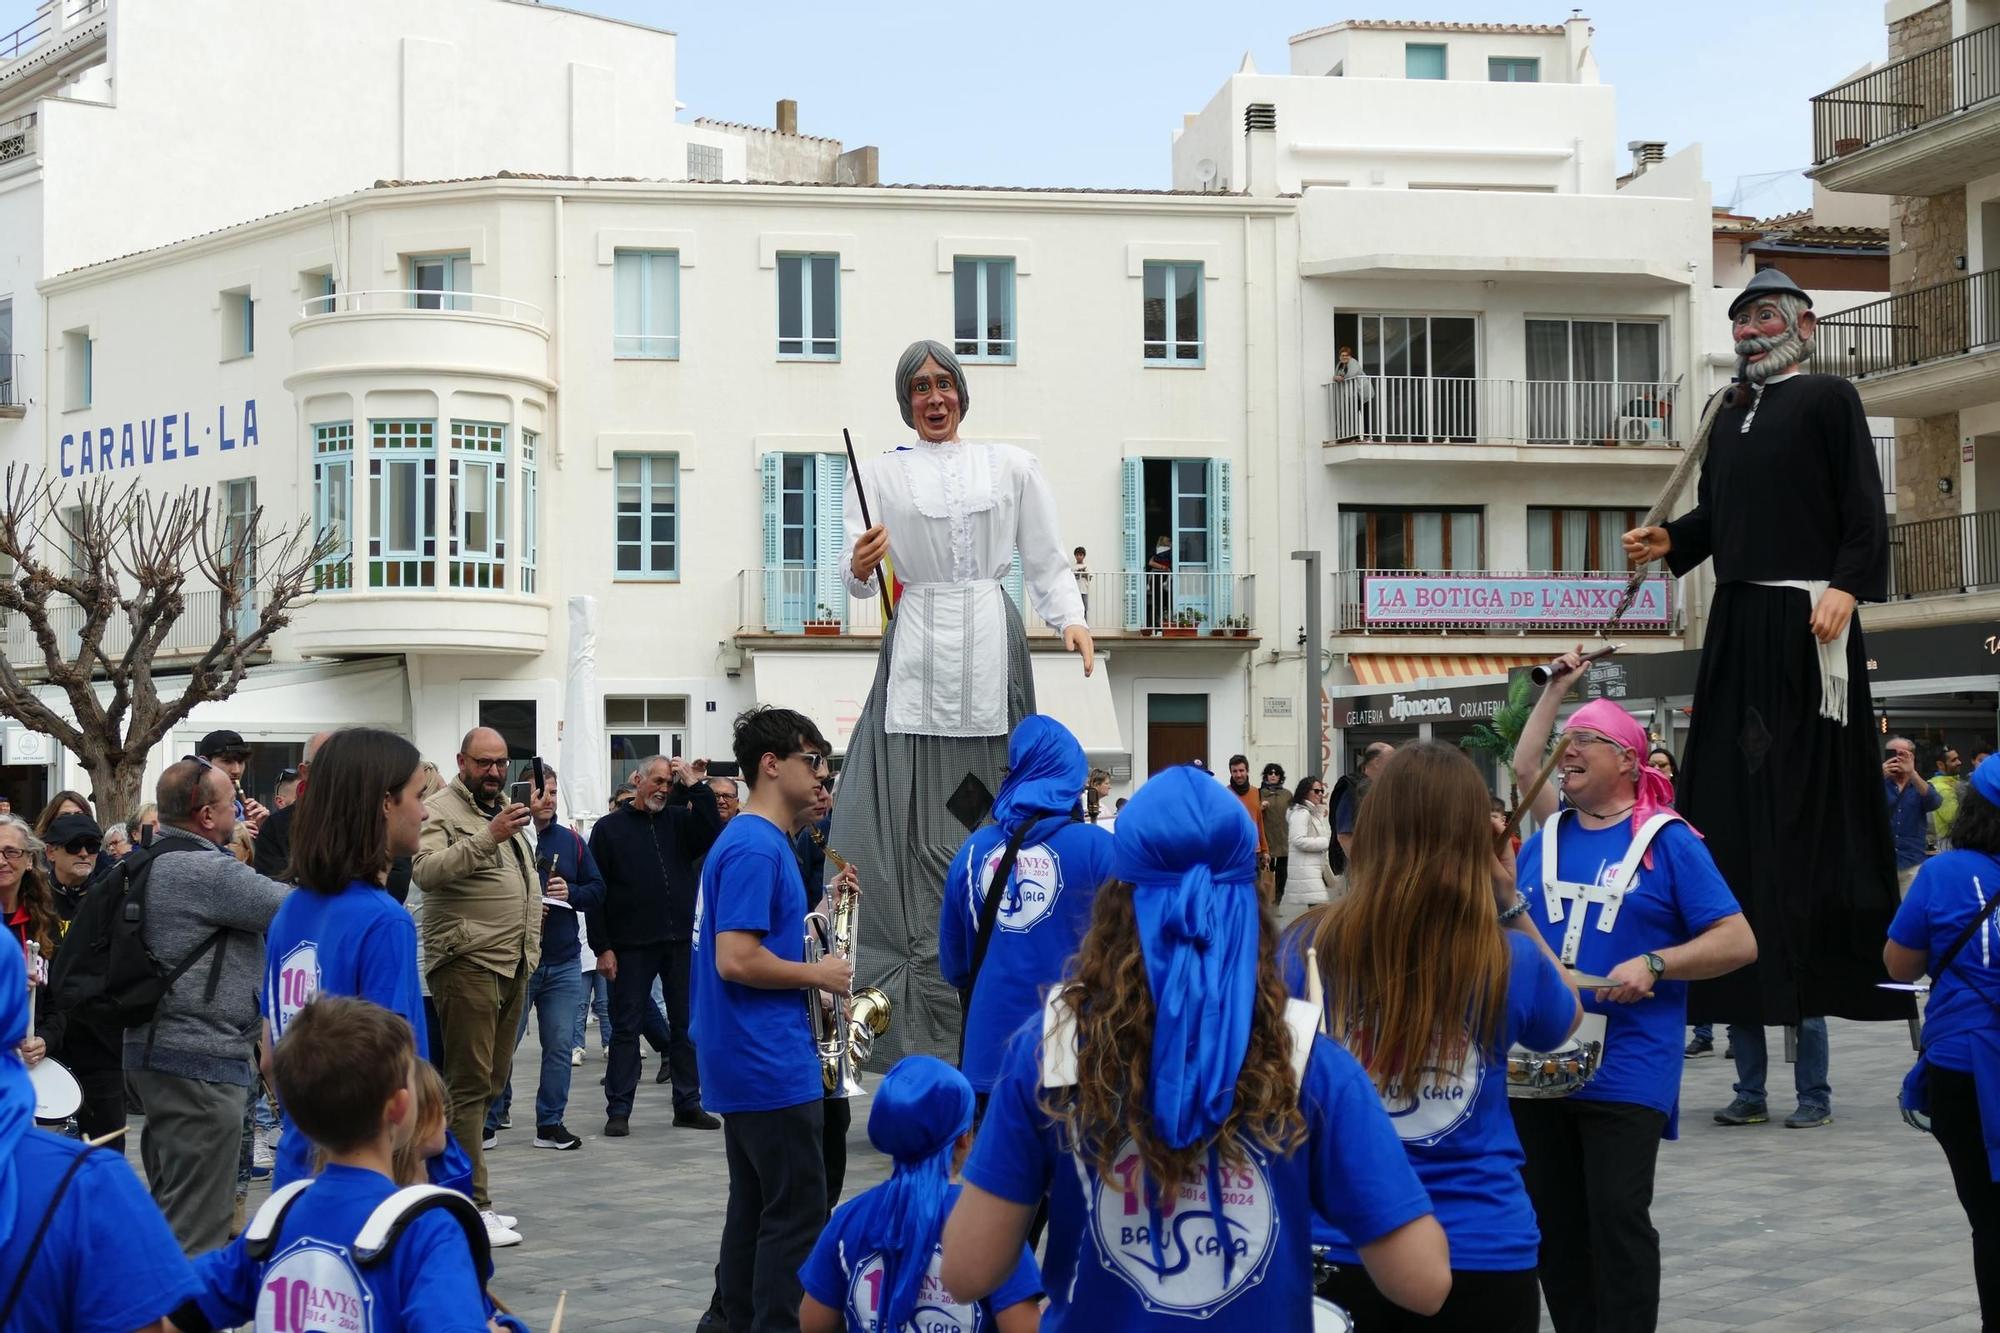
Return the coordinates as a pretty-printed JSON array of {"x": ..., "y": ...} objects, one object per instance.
[
  {"x": 1031, "y": 890},
  {"x": 1205, "y": 1217},
  {"x": 311, "y": 1288},
  {"x": 1439, "y": 1105},
  {"x": 936, "y": 1311},
  {"x": 298, "y": 981}
]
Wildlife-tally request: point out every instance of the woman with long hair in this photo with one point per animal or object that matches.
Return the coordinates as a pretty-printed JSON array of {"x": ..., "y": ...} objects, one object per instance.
[
  {"x": 1430, "y": 988},
  {"x": 1308, "y": 833},
  {"x": 62, "y": 803},
  {"x": 1183, "y": 1120},
  {"x": 27, "y": 904}
]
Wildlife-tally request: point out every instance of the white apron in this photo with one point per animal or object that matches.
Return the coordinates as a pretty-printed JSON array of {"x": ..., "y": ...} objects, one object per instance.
[{"x": 948, "y": 661}]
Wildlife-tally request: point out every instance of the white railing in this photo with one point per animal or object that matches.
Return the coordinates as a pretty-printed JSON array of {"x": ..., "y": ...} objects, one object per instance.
[
  {"x": 1186, "y": 604},
  {"x": 422, "y": 300},
  {"x": 1422, "y": 409},
  {"x": 190, "y": 635}
]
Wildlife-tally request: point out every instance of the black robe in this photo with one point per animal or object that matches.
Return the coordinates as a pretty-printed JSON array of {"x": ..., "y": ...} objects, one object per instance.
[{"x": 1790, "y": 803}]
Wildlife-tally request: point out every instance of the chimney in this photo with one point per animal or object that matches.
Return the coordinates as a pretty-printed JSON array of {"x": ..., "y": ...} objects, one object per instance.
[
  {"x": 1647, "y": 153},
  {"x": 788, "y": 116},
  {"x": 1260, "y": 149}
]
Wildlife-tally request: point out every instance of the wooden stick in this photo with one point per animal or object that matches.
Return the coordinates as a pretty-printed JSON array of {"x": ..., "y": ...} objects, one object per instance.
[
  {"x": 888, "y": 571},
  {"x": 562, "y": 1299},
  {"x": 103, "y": 1139},
  {"x": 1690, "y": 462},
  {"x": 1534, "y": 789}
]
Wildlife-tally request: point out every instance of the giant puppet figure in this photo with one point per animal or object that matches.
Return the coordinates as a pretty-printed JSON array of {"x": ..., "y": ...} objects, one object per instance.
[
  {"x": 952, "y": 679},
  {"x": 1782, "y": 772}
]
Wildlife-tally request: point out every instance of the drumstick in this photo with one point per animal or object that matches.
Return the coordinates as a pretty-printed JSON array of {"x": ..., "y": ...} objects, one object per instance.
[
  {"x": 1315, "y": 988},
  {"x": 562, "y": 1299},
  {"x": 1534, "y": 789},
  {"x": 103, "y": 1139}
]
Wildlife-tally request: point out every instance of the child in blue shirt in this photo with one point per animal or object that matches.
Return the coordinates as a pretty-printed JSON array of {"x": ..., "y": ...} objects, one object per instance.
[
  {"x": 875, "y": 1267},
  {"x": 343, "y": 1073}
]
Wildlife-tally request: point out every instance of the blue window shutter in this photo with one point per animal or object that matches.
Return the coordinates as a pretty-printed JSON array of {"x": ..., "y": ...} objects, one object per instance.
[
  {"x": 1013, "y": 583},
  {"x": 773, "y": 464},
  {"x": 1133, "y": 562},
  {"x": 1221, "y": 536},
  {"x": 830, "y": 529}
]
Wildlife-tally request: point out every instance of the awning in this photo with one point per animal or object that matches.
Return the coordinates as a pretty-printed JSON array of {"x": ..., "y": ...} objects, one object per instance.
[
  {"x": 830, "y": 688},
  {"x": 1402, "y": 668}
]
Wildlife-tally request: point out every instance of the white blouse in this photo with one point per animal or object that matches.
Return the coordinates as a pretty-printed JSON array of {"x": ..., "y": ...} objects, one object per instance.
[{"x": 956, "y": 512}]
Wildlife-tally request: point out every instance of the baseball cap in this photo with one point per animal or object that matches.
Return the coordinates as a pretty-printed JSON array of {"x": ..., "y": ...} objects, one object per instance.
[
  {"x": 221, "y": 743},
  {"x": 66, "y": 829}
]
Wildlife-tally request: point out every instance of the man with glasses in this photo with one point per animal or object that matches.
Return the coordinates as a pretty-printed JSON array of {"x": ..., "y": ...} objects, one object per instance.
[
  {"x": 74, "y": 847},
  {"x": 646, "y": 851},
  {"x": 481, "y": 938},
  {"x": 87, "y": 1050}
]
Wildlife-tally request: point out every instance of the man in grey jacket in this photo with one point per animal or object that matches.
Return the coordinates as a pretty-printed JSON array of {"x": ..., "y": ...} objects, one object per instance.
[{"x": 194, "y": 1065}]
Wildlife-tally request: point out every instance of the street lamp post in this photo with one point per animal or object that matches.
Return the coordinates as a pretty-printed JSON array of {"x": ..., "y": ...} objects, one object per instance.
[{"x": 1309, "y": 753}]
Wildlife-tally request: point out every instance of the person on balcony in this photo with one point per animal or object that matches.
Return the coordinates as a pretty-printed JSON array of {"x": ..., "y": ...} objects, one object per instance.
[
  {"x": 1781, "y": 772},
  {"x": 1355, "y": 399},
  {"x": 952, "y": 680}
]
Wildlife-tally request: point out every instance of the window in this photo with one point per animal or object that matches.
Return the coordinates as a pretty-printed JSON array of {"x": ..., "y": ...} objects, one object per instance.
[
  {"x": 10, "y": 375},
  {"x": 1513, "y": 69},
  {"x": 434, "y": 277},
  {"x": 316, "y": 290},
  {"x": 1173, "y": 314},
  {"x": 1594, "y": 381},
  {"x": 1423, "y": 60},
  {"x": 476, "y": 507},
  {"x": 333, "y": 503},
  {"x": 402, "y": 493},
  {"x": 646, "y": 303},
  {"x": 705, "y": 162},
  {"x": 647, "y": 535},
  {"x": 1395, "y": 538},
  {"x": 638, "y": 729},
  {"x": 983, "y": 309},
  {"x": 239, "y": 513},
  {"x": 1418, "y": 381},
  {"x": 1578, "y": 541},
  {"x": 239, "y": 325},
  {"x": 809, "y": 307},
  {"x": 1185, "y": 503},
  {"x": 530, "y": 520},
  {"x": 805, "y": 501},
  {"x": 79, "y": 349}
]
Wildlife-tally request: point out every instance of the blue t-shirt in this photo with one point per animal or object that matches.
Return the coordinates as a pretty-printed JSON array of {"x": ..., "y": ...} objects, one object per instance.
[
  {"x": 1099, "y": 1268},
  {"x": 426, "y": 1283},
  {"x": 1680, "y": 897},
  {"x": 1909, "y": 820},
  {"x": 108, "y": 1263},
  {"x": 358, "y": 942},
  {"x": 1460, "y": 1135},
  {"x": 753, "y": 1046},
  {"x": 1950, "y": 889},
  {"x": 1042, "y": 917},
  {"x": 841, "y": 1279}
]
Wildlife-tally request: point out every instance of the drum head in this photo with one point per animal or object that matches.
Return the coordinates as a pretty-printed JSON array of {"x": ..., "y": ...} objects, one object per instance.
[
  {"x": 58, "y": 1095},
  {"x": 1330, "y": 1318}
]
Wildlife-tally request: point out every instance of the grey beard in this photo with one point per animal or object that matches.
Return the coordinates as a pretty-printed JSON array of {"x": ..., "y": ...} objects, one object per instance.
[{"x": 1782, "y": 353}]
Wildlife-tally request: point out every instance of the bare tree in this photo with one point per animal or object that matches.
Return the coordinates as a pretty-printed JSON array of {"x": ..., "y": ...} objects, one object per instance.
[{"x": 114, "y": 561}]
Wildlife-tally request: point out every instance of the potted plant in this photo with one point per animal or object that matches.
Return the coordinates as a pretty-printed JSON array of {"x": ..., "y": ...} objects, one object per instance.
[
  {"x": 1183, "y": 624},
  {"x": 824, "y": 625},
  {"x": 1239, "y": 626}
]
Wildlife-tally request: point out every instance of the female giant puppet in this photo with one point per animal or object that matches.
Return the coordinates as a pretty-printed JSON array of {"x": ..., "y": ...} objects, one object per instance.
[{"x": 953, "y": 676}]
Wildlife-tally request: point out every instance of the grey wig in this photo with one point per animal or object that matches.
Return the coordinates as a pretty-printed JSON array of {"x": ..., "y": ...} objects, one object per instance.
[{"x": 906, "y": 370}]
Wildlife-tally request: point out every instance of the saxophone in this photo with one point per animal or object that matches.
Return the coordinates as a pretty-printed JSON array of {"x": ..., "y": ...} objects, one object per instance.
[{"x": 845, "y": 1031}]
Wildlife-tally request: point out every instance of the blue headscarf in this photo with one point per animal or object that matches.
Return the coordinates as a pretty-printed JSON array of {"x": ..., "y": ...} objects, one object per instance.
[
  {"x": 1189, "y": 851},
  {"x": 1986, "y": 778},
  {"x": 17, "y": 1095},
  {"x": 921, "y": 1107},
  {"x": 1046, "y": 771}
]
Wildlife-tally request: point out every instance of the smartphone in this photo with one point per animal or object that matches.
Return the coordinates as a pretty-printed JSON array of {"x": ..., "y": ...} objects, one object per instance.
[
  {"x": 724, "y": 768},
  {"x": 519, "y": 792},
  {"x": 540, "y": 780}
]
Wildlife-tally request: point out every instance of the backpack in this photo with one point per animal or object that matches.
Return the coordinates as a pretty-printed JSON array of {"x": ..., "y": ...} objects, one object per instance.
[{"x": 103, "y": 972}]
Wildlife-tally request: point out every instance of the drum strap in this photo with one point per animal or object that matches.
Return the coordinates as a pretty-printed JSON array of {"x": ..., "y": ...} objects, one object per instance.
[
  {"x": 41, "y": 1233},
  {"x": 1609, "y": 896}
]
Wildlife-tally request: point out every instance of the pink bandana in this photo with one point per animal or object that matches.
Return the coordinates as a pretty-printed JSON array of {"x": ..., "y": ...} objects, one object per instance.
[{"x": 1655, "y": 793}]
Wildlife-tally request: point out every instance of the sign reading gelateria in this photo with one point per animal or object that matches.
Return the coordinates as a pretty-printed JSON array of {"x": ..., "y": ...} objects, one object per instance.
[
  {"x": 1509, "y": 599},
  {"x": 151, "y": 440}
]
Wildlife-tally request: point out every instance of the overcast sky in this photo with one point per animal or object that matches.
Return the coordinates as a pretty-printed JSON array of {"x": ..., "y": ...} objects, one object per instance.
[{"x": 1067, "y": 92}]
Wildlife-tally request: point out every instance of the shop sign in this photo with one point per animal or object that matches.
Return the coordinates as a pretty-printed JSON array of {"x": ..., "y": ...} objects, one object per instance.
[
  {"x": 1277, "y": 705},
  {"x": 1419, "y": 599}
]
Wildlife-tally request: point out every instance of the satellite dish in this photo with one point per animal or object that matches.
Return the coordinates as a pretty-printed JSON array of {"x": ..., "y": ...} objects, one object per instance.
[{"x": 1205, "y": 172}]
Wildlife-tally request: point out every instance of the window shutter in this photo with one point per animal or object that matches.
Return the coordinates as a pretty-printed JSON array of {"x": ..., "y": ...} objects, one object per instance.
[
  {"x": 1134, "y": 557},
  {"x": 771, "y": 575},
  {"x": 830, "y": 529},
  {"x": 1221, "y": 537}
]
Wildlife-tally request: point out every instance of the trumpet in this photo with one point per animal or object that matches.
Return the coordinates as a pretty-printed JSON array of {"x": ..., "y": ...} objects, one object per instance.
[{"x": 844, "y": 1032}]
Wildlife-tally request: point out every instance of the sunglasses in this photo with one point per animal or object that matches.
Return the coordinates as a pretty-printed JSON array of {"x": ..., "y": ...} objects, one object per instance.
[
  {"x": 287, "y": 774},
  {"x": 83, "y": 847}
]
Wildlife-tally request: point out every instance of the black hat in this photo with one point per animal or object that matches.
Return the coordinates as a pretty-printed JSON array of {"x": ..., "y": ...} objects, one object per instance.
[
  {"x": 1768, "y": 282},
  {"x": 66, "y": 829},
  {"x": 221, "y": 743}
]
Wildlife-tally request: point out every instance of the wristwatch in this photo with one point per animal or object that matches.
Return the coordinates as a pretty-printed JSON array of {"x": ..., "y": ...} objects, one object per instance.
[{"x": 1655, "y": 964}]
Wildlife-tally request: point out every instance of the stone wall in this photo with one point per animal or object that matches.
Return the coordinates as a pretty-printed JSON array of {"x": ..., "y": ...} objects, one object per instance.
[{"x": 1926, "y": 449}]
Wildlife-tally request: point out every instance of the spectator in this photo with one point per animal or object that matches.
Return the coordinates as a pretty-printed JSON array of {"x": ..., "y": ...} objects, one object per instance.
[
  {"x": 88, "y": 1050},
  {"x": 1661, "y": 760},
  {"x": 1252, "y": 803},
  {"x": 193, "y": 1065},
  {"x": 117, "y": 843},
  {"x": 1082, "y": 572},
  {"x": 274, "y": 840},
  {"x": 1276, "y": 798},
  {"x": 1910, "y": 800},
  {"x": 625, "y": 794},
  {"x": 62, "y": 803},
  {"x": 1096, "y": 788},
  {"x": 1372, "y": 758},
  {"x": 1159, "y": 584},
  {"x": 413, "y": 903},
  {"x": 645, "y": 851},
  {"x": 1309, "y": 833},
  {"x": 146, "y": 823},
  {"x": 1945, "y": 781},
  {"x": 231, "y": 753},
  {"x": 1357, "y": 398},
  {"x": 72, "y": 845},
  {"x": 728, "y": 799},
  {"x": 481, "y": 933},
  {"x": 287, "y": 789}
]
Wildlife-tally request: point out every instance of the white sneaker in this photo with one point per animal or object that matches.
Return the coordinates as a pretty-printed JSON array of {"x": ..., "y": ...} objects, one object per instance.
[
  {"x": 261, "y": 1156},
  {"x": 507, "y": 1220},
  {"x": 499, "y": 1232},
  {"x": 576, "y": 1055}
]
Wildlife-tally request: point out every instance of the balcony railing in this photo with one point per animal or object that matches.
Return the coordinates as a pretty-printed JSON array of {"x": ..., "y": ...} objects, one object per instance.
[
  {"x": 1185, "y": 604},
  {"x": 1897, "y": 332},
  {"x": 1911, "y": 93},
  {"x": 190, "y": 635},
  {"x": 1403, "y": 601},
  {"x": 13, "y": 385},
  {"x": 412, "y": 299},
  {"x": 1422, "y": 409},
  {"x": 1885, "y": 463},
  {"x": 1932, "y": 557},
  {"x": 17, "y": 138},
  {"x": 25, "y": 38}
]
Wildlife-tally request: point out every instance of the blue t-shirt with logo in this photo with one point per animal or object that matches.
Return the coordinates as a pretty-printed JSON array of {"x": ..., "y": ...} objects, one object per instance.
[
  {"x": 1949, "y": 891},
  {"x": 841, "y": 1278},
  {"x": 1680, "y": 897},
  {"x": 1459, "y": 1134},
  {"x": 312, "y": 1281},
  {"x": 358, "y": 942},
  {"x": 108, "y": 1263},
  {"x": 1099, "y": 1267},
  {"x": 753, "y": 1046},
  {"x": 1043, "y": 915}
]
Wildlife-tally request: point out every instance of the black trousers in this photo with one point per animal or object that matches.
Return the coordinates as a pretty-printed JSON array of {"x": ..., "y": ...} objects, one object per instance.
[
  {"x": 1479, "y": 1303},
  {"x": 833, "y": 1144},
  {"x": 103, "y": 1108},
  {"x": 1279, "y": 865},
  {"x": 1589, "y": 1174},
  {"x": 777, "y": 1205},
  {"x": 1955, "y": 1122},
  {"x": 631, "y": 997}
]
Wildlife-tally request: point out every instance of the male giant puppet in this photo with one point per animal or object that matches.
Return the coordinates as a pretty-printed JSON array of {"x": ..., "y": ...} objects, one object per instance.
[{"x": 1781, "y": 773}]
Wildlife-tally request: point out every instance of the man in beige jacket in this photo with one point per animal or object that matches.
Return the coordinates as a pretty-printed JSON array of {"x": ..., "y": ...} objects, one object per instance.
[{"x": 482, "y": 936}]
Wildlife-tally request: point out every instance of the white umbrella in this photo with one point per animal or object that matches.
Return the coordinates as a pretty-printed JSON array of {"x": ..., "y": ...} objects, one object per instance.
[{"x": 582, "y": 747}]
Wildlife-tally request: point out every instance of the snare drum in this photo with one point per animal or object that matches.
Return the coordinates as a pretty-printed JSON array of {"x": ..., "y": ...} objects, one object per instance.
[
  {"x": 1560, "y": 1072},
  {"x": 1330, "y": 1318},
  {"x": 58, "y": 1095}
]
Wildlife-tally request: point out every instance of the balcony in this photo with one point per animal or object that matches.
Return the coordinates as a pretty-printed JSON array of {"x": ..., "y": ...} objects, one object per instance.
[
  {"x": 1921, "y": 126},
  {"x": 1885, "y": 463},
  {"x": 429, "y": 332},
  {"x": 20, "y": 140},
  {"x": 1497, "y": 602},
  {"x": 359, "y": 621},
  {"x": 1943, "y": 557},
  {"x": 811, "y": 607},
  {"x": 190, "y": 636},
  {"x": 1504, "y": 421},
  {"x": 13, "y": 386},
  {"x": 1921, "y": 353}
]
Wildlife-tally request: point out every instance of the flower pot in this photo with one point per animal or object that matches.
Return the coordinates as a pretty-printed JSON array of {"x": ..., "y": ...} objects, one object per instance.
[
  {"x": 1179, "y": 632},
  {"x": 1240, "y": 633},
  {"x": 1218, "y": 634},
  {"x": 822, "y": 629},
  {"x": 1145, "y": 631}
]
